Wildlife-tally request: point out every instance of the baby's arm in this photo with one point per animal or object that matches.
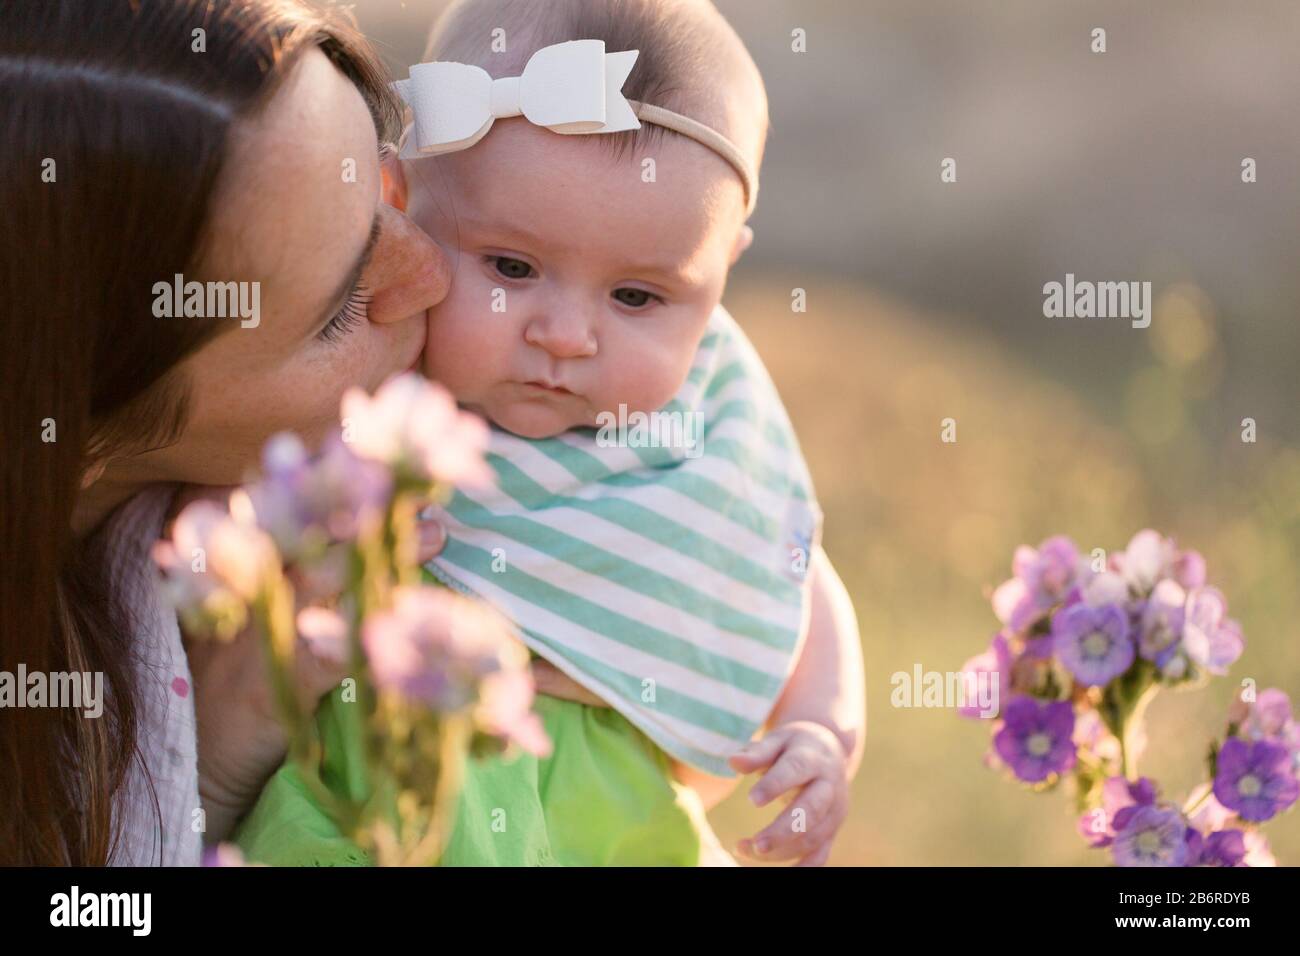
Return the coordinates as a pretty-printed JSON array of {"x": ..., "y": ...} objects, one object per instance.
[
  {"x": 828, "y": 683},
  {"x": 825, "y": 693}
]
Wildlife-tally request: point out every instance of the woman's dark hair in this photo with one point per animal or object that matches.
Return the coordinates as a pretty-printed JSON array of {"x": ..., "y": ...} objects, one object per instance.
[{"x": 114, "y": 118}]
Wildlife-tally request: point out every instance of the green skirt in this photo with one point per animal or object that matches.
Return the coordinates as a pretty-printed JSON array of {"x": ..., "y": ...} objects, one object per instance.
[{"x": 605, "y": 797}]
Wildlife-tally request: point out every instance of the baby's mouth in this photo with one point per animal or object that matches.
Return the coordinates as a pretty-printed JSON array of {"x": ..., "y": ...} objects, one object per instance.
[{"x": 550, "y": 387}]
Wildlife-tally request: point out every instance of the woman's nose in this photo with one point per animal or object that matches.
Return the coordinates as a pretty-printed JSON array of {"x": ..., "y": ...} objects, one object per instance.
[
  {"x": 562, "y": 333},
  {"x": 408, "y": 272}
]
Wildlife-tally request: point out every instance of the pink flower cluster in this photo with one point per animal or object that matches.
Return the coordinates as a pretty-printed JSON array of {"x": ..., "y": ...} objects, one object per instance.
[
  {"x": 301, "y": 522},
  {"x": 451, "y": 653}
]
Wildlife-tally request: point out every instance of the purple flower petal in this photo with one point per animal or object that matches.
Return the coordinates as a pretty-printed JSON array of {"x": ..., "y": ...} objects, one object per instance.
[
  {"x": 1255, "y": 778},
  {"x": 1093, "y": 642},
  {"x": 1151, "y": 836},
  {"x": 1035, "y": 739}
]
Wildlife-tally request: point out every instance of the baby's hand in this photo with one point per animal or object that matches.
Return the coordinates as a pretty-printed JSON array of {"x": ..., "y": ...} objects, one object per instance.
[{"x": 809, "y": 757}]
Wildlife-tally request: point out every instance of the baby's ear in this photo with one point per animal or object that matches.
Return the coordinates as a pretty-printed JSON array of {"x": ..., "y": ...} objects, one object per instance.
[
  {"x": 393, "y": 172},
  {"x": 744, "y": 239}
]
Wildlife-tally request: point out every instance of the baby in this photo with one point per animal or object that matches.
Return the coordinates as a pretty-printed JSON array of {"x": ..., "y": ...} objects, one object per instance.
[{"x": 675, "y": 571}]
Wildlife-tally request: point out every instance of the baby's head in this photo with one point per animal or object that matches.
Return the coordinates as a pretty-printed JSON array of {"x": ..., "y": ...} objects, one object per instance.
[{"x": 585, "y": 275}]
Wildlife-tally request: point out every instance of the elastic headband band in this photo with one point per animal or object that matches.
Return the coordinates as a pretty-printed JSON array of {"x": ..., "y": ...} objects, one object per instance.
[
  {"x": 572, "y": 88},
  {"x": 705, "y": 136}
]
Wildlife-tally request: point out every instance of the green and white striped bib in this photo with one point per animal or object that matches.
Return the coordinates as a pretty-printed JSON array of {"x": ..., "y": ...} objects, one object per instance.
[{"x": 659, "y": 560}]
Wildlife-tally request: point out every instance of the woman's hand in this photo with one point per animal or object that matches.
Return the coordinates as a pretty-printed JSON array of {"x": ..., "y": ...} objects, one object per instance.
[{"x": 240, "y": 740}]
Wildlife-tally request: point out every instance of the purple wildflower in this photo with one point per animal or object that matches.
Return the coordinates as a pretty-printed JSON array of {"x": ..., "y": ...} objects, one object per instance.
[
  {"x": 304, "y": 503},
  {"x": 1043, "y": 579},
  {"x": 1255, "y": 778},
  {"x": 433, "y": 647},
  {"x": 1035, "y": 739},
  {"x": 1224, "y": 848},
  {"x": 1270, "y": 717},
  {"x": 1149, "y": 557},
  {"x": 1258, "y": 852},
  {"x": 1189, "y": 569},
  {"x": 1210, "y": 639},
  {"x": 1098, "y": 826},
  {"x": 1267, "y": 718},
  {"x": 1161, "y": 629},
  {"x": 1093, "y": 642},
  {"x": 995, "y": 665},
  {"x": 453, "y": 654},
  {"x": 1150, "y": 835},
  {"x": 1102, "y": 587},
  {"x": 414, "y": 426}
]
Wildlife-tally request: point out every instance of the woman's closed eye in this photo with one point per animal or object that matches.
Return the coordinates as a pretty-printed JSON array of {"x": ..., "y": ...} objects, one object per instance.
[{"x": 347, "y": 318}]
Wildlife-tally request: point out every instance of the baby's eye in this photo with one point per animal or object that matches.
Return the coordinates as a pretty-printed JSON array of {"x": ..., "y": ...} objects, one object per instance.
[
  {"x": 512, "y": 268},
  {"x": 635, "y": 298}
]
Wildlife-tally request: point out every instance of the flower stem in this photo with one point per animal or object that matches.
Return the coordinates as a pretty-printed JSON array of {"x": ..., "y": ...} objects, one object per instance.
[
  {"x": 1130, "y": 724},
  {"x": 1195, "y": 805},
  {"x": 455, "y": 734}
]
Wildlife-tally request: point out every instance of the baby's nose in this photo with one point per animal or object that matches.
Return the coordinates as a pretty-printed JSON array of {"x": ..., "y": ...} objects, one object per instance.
[{"x": 563, "y": 334}]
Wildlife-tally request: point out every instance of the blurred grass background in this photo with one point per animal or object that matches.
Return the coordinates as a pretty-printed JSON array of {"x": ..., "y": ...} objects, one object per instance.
[{"x": 925, "y": 303}]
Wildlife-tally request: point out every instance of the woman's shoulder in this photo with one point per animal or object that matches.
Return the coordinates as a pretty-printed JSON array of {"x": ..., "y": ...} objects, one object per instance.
[{"x": 166, "y": 743}]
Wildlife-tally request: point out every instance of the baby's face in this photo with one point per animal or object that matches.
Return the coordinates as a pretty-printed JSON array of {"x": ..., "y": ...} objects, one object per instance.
[{"x": 576, "y": 285}]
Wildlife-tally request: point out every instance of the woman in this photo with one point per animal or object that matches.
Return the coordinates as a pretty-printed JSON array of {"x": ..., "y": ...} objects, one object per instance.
[{"x": 145, "y": 141}]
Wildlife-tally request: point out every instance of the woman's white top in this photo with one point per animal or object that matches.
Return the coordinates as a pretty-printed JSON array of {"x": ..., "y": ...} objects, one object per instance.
[{"x": 170, "y": 833}]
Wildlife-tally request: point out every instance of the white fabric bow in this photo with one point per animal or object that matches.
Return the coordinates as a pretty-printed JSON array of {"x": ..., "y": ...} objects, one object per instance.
[{"x": 572, "y": 87}]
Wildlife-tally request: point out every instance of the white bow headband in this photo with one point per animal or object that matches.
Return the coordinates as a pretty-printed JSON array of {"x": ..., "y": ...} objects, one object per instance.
[{"x": 570, "y": 88}]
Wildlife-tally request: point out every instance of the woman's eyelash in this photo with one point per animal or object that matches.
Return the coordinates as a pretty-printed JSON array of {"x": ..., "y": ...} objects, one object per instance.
[{"x": 349, "y": 317}]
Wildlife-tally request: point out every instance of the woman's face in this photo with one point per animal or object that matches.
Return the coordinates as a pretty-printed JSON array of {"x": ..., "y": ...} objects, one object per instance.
[{"x": 303, "y": 208}]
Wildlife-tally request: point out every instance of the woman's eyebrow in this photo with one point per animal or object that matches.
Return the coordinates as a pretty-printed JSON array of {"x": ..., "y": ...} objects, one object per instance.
[{"x": 354, "y": 274}]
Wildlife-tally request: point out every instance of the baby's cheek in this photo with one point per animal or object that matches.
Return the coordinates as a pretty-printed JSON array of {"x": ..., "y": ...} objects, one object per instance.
[
  {"x": 647, "y": 381},
  {"x": 432, "y": 349},
  {"x": 451, "y": 349}
]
